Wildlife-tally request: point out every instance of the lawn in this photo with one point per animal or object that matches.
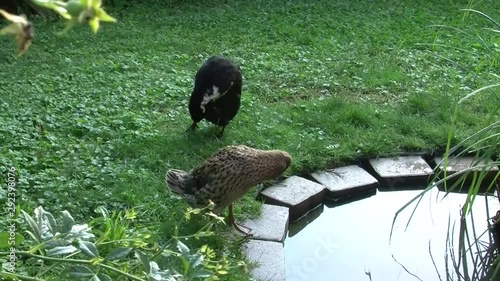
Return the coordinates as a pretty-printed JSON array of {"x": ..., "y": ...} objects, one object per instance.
[{"x": 328, "y": 81}]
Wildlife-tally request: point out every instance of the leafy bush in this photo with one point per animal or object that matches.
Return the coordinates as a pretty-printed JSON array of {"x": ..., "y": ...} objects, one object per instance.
[{"x": 108, "y": 248}]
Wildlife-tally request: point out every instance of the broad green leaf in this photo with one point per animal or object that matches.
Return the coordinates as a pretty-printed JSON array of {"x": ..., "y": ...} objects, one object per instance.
[
  {"x": 51, "y": 222},
  {"x": 183, "y": 248},
  {"x": 6, "y": 243},
  {"x": 163, "y": 275},
  {"x": 61, "y": 250},
  {"x": 68, "y": 222},
  {"x": 4, "y": 240},
  {"x": 80, "y": 271},
  {"x": 200, "y": 274},
  {"x": 144, "y": 259},
  {"x": 81, "y": 231},
  {"x": 42, "y": 223},
  {"x": 104, "y": 212},
  {"x": 154, "y": 269},
  {"x": 118, "y": 253},
  {"x": 56, "y": 243},
  {"x": 32, "y": 235},
  {"x": 185, "y": 264},
  {"x": 8, "y": 276},
  {"x": 104, "y": 277},
  {"x": 33, "y": 227},
  {"x": 195, "y": 260},
  {"x": 88, "y": 249}
]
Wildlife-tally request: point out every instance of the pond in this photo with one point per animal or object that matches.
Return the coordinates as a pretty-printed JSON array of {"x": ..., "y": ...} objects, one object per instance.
[{"x": 351, "y": 241}]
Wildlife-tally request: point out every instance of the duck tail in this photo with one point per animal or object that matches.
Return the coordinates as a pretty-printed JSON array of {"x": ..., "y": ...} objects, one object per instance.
[{"x": 175, "y": 181}]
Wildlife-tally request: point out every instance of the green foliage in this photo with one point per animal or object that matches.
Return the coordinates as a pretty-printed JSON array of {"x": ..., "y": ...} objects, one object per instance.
[
  {"x": 475, "y": 255},
  {"x": 77, "y": 12},
  {"x": 116, "y": 250},
  {"x": 94, "y": 121}
]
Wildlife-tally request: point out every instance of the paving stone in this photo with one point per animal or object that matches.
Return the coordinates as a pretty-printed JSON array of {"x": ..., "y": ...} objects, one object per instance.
[
  {"x": 271, "y": 225},
  {"x": 269, "y": 259},
  {"x": 402, "y": 172},
  {"x": 298, "y": 194},
  {"x": 456, "y": 165},
  {"x": 346, "y": 182}
]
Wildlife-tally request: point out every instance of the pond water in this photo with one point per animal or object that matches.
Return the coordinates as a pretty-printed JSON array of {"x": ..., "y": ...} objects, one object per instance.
[{"x": 350, "y": 241}]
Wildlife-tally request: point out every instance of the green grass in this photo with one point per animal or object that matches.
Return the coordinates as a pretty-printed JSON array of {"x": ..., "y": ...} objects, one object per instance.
[{"x": 327, "y": 81}]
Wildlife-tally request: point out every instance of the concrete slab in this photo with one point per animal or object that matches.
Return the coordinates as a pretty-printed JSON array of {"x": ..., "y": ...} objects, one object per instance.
[
  {"x": 401, "y": 172},
  {"x": 298, "y": 194},
  {"x": 346, "y": 182},
  {"x": 456, "y": 165},
  {"x": 269, "y": 259},
  {"x": 271, "y": 225}
]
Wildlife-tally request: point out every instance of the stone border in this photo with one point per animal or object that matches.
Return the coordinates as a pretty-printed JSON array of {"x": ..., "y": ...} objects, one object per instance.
[{"x": 296, "y": 196}]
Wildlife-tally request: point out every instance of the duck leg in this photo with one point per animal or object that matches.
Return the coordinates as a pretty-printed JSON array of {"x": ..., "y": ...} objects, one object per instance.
[
  {"x": 219, "y": 135},
  {"x": 234, "y": 224},
  {"x": 192, "y": 127}
]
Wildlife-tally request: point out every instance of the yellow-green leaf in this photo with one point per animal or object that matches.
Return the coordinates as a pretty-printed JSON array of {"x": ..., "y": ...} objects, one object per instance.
[
  {"x": 103, "y": 16},
  {"x": 96, "y": 3},
  {"x": 11, "y": 29},
  {"x": 94, "y": 24},
  {"x": 14, "y": 18},
  {"x": 68, "y": 26},
  {"x": 75, "y": 8}
]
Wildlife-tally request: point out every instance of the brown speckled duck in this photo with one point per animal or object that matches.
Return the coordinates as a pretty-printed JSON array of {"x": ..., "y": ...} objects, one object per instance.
[{"x": 226, "y": 176}]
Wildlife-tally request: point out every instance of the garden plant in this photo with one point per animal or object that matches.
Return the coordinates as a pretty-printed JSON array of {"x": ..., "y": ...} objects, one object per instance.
[{"x": 92, "y": 118}]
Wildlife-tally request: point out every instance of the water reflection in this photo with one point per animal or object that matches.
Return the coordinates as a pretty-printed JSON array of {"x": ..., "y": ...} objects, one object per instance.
[{"x": 348, "y": 241}]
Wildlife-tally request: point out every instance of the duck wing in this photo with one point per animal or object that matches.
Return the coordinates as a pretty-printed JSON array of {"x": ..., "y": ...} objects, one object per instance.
[{"x": 216, "y": 177}]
